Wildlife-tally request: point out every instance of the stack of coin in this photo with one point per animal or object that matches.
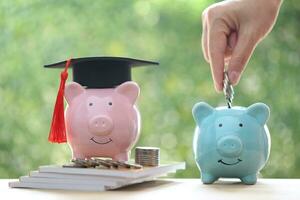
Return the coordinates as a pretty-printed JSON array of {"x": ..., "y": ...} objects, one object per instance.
[
  {"x": 228, "y": 90},
  {"x": 147, "y": 156}
]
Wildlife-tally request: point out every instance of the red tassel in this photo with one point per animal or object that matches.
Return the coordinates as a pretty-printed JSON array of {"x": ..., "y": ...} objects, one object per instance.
[{"x": 58, "y": 129}]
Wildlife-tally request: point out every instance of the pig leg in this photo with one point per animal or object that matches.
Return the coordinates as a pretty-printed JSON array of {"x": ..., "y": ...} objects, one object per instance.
[
  {"x": 121, "y": 156},
  {"x": 250, "y": 179},
  {"x": 208, "y": 178}
]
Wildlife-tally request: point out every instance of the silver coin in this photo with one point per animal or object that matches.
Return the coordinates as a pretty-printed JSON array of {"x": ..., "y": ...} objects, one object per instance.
[{"x": 228, "y": 90}]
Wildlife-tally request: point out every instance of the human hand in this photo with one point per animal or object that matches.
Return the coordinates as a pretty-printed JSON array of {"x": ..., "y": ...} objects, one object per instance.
[{"x": 231, "y": 31}]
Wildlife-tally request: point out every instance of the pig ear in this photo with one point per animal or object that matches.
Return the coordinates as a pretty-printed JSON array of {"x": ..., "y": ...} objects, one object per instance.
[
  {"x": 201, "y": 111},
  {"x": 260, "y": 112},
  {"x": 73, "y": 90},
  {"x": 130, "y": 90}
]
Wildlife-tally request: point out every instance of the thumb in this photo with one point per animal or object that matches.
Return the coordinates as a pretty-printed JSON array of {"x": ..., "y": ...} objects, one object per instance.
[{"x": 240, "y": 56}]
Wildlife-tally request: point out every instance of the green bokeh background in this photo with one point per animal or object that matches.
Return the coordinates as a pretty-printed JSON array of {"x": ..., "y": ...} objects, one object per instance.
[{"x": 35, "y": 32}]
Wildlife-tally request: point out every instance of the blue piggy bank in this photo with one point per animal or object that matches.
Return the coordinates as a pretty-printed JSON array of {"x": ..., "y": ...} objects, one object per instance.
[{"x": 231, "y": 142}]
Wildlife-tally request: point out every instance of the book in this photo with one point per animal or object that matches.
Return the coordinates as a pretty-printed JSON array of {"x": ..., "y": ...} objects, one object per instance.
[
  {"x": 124, "y": 173},
  {"x": 89, "y": 179},
  {"x": 57, "y": 186}
]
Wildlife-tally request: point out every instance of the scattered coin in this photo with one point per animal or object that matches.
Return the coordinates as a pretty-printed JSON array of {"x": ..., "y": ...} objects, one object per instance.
[
  {"x": 101, "y": 163},
  {"x": 72, "y": 165}
]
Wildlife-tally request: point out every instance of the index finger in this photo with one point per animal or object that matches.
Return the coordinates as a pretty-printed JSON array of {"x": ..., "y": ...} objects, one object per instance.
[{"x": 217, "y": 46}]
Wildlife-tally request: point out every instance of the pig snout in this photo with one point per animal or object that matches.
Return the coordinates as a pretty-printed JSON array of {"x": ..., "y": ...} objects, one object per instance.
[
  {"x": 229, "y": 146},
  {"x": 100, "y": 125}
]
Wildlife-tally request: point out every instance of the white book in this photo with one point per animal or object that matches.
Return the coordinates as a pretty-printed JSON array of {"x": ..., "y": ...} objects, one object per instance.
[
  {"x": 29, "y": 179},
  {"x": 75, "y": 176},
  {"x": 58, "y": 186},
  {"x": 26, "y": 182},
  {"x": 120, "y": 173},
  {"x": 107, "y": 180},
  {"x": 84, "y": 181},
  {"x": 135, "y": 181}
]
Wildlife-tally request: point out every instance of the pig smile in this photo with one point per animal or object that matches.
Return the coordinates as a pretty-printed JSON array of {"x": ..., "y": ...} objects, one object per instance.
[
  {"x": 224, "y": 163},
  {"x": 109, "y": 140}
]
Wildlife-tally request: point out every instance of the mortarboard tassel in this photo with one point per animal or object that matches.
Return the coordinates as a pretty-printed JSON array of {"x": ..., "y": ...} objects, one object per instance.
[{"x": 58, "y": 129}]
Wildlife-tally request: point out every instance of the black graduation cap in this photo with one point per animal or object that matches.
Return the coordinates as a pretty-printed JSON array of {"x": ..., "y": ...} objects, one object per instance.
[
  {"x": 91, "y": 72},
  {"x": 102, "y": 72}
]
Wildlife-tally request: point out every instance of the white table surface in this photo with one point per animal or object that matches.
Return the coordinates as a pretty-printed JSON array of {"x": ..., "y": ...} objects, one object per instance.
[{"x": 170, "y": 189}]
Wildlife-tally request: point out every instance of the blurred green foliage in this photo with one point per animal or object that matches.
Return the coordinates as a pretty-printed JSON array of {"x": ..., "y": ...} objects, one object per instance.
[{"x": 34, "y": 33}]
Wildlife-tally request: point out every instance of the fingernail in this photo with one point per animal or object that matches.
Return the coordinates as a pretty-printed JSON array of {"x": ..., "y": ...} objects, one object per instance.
[
  {"x": 234, "y": 77},
  {"x": 218, "y": 87}
]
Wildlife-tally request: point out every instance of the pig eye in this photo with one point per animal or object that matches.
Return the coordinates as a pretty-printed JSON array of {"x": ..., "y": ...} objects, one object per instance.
[
  {"x": 220, "y": 125},
  {"x": 110, "y": 103},
  {"x": 241, "y": 125},
  {"x": 90, "y": 104}
]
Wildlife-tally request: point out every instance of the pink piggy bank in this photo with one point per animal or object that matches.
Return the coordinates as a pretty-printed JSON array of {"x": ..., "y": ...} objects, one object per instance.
[{"x": 102, "y": 122}]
